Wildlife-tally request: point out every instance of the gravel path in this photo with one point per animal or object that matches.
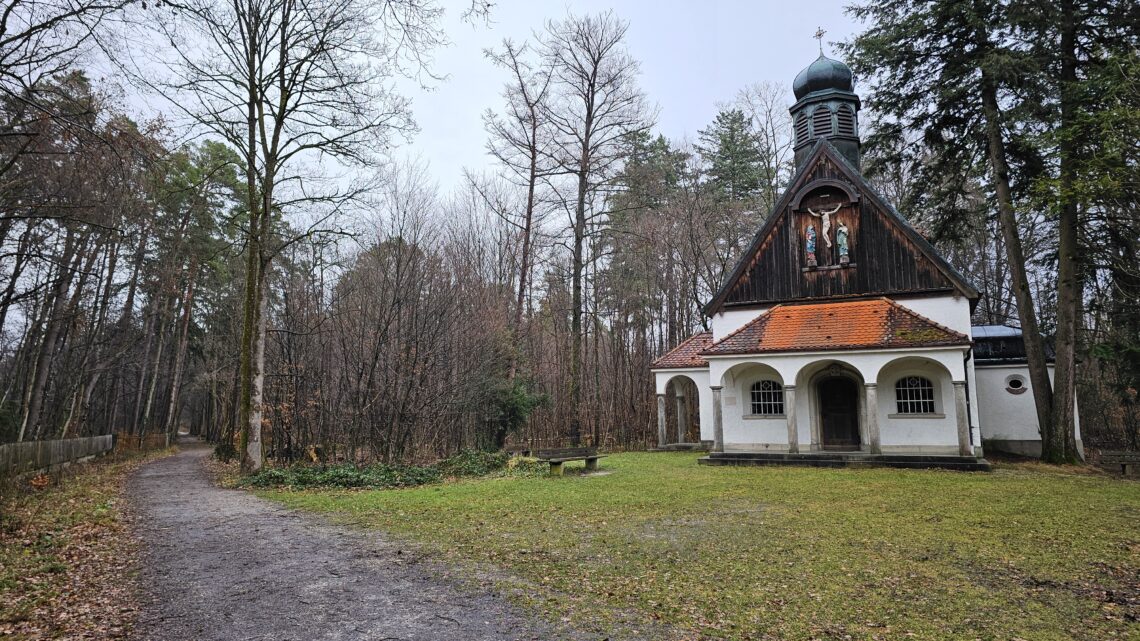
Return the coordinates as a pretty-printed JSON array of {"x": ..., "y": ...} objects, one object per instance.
[{"x": 224, "y": 564}]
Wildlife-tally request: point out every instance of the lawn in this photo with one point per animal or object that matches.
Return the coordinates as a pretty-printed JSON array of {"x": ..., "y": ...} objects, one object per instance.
[{"x": 1025, "y": 552}]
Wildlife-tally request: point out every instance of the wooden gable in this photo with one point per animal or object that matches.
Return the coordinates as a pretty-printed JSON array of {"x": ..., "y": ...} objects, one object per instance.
[{"x": 884, "y": 254}]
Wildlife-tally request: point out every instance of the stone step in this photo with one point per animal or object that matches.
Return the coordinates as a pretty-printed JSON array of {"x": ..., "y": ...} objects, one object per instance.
[
  {"x": 849, "y": 459},
  {"x": 682, "y": 447}
]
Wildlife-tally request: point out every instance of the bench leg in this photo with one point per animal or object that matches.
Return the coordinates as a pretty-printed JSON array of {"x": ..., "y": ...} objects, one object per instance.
[
  {"x": 556, "y": 469},
  {"x": 591, "y": 465}
]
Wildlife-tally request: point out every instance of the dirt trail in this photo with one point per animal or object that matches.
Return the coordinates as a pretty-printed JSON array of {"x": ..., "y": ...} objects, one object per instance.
[{"x": 223, "y": 564}]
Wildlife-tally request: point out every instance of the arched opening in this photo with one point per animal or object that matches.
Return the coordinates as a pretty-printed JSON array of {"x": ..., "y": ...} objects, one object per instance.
[
  {"x": 835, "y": 403},
  {"x": 682, "y": 410},
  {"x": 918, "y": 406},
  {"x": 821, "y": 121}
]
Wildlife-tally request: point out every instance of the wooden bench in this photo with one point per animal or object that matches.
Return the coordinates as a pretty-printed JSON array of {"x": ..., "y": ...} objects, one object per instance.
[
  {"x": 559, "y": 456},
  {"x": 1126, "y": 460}
]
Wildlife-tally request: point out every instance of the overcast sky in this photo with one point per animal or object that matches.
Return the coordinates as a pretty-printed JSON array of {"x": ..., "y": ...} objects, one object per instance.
[{"x": 694, "y": 55}]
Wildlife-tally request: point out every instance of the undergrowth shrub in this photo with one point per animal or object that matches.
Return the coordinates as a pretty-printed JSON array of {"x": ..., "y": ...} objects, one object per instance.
[
  {"x": 466, "y": 464},
  {"x": 345, "y": 475},
  {"x": 473, "y": 463}
]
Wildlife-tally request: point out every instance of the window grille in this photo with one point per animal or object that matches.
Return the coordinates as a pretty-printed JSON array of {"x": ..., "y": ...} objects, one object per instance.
[
  {"x": 846, "y": 120},
  {"x": 821, "y": 121},
  {"x": 914, "y": 395},
  {"x": 767, "y": 398}
]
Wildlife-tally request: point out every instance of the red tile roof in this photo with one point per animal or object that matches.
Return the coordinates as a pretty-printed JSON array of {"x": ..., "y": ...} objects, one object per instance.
[
  {"x": 862, "y": 324},
  {"x": 686, "y": 354}
]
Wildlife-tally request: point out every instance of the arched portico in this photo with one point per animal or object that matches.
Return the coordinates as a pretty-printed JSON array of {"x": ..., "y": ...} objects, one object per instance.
[
  {"x": 757, "y": 409},
  {"x": 684, "y": 406}
]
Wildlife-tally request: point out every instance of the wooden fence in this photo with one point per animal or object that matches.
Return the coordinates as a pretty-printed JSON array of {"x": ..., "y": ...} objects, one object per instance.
[
  {"x": 32, "y": 456},
  {"x": 134, "y": 442}
]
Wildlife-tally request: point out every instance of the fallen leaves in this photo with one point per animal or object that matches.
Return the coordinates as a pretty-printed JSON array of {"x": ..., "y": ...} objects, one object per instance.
[{"x": 67, "y": 558}]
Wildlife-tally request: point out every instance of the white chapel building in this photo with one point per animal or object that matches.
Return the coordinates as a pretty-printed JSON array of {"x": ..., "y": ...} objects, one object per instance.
[{"x": 842, "y": 335}]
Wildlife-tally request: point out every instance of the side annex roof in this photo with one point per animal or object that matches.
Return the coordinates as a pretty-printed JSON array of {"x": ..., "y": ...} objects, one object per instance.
[{"x": 686, "y": 355}]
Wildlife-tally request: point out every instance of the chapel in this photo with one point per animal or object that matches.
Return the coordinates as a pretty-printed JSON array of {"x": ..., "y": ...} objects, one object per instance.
[{"x": 842, "y": 336}]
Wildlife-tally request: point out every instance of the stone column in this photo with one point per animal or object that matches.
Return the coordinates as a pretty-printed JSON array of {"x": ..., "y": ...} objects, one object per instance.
[
  {"x": 790, "y": 412},
  {"x": 871, "y": 415},
  {"x": 660, "y": 420},
  {"x": 718, "y": 420},
  {"x": 682, "y": 419},
  {"x": 963, "y": 414}
]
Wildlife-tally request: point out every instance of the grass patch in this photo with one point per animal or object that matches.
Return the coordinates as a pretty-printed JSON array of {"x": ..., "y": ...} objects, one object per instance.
[
  {"x": 1027, "y": 552},
  {"x": 67, "y": 560}
]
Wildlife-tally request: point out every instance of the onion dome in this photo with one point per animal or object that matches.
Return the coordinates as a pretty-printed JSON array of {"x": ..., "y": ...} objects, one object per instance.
[{"x": 821, "y": 75}]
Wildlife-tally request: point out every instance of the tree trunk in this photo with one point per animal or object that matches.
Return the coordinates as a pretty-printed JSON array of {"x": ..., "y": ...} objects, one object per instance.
[
  {"x": 1061, "y": 445},
  {"x": 54, "y": 322},
  {"x": 576, "y": 303},
  {"x": 1031, "y": 333},
  {"x": 180, "y": 355}
]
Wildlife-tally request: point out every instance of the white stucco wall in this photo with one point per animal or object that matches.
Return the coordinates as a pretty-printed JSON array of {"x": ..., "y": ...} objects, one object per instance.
[
  {"x": 950, "y": 311},
  {"x": 728, "y": 321},
  {"x": 1008, "y": 417},
  {"x": 794, "y": 366}
]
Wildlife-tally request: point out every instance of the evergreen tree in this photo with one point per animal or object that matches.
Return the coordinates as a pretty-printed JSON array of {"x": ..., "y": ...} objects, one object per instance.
[
  {"x": 994, "y": 90},
  {"x": 733, "y": 153}
]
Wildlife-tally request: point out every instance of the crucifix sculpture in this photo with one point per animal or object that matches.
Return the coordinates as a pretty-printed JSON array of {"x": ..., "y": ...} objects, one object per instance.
[
  {"x": 824, "y": 215},
  {"x": 818, "y": 35}
]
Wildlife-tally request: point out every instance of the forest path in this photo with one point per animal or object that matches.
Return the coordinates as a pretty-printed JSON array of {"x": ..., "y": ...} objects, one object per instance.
[{"x": 222, "y": 564}]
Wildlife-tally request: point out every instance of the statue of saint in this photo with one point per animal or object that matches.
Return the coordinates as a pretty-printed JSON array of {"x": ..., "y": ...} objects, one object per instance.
[
  {"x": 809, "y": 235},
  {"x": 841, "y": 234}
]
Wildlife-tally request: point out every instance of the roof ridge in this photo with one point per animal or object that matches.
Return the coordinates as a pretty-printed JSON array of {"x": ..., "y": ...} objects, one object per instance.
[{"x": 745, "y": 326}]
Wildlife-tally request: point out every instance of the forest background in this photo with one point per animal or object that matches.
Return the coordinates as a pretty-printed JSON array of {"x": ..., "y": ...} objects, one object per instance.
[{"x": 258, "y": 270}]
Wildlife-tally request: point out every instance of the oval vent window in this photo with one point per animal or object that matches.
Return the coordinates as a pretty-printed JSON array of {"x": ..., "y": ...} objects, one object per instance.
[{"x": 1016, "y": 384}]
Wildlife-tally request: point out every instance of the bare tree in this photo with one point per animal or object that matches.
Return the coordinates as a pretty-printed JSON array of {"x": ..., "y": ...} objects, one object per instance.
[
  {"x": 765, "y": 106},
  {"x": 521, "y": 141},
  {"x": 285, "y": 82},
  {"x": 595, "y": 106}
]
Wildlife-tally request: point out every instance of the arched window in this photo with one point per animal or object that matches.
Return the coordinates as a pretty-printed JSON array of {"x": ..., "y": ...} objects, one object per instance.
[
  {"x": 801, "y": 128},
  {"x": 767, "y": 398},
  {"x": 821, "y": 121},
  {"x": 914, "y": 395},
  {"x": 846, "y": 119}
]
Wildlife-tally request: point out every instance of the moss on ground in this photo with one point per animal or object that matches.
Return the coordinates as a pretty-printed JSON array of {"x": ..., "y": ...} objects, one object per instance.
[{"x": 1026, "y": 552}]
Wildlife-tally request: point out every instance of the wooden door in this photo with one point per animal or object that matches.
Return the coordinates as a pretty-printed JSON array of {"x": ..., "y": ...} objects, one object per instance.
[{"x": 839, "y": 413}]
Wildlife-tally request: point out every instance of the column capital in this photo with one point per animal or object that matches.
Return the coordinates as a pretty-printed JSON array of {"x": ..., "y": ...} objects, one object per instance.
[
  {"x": 661, "y": 396},
  {"x": 871, "y": 385},
  {"x": 716, "y": 388},
  {"x": 959, "y": 383},
  {"x": 789, "y": 388}
]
